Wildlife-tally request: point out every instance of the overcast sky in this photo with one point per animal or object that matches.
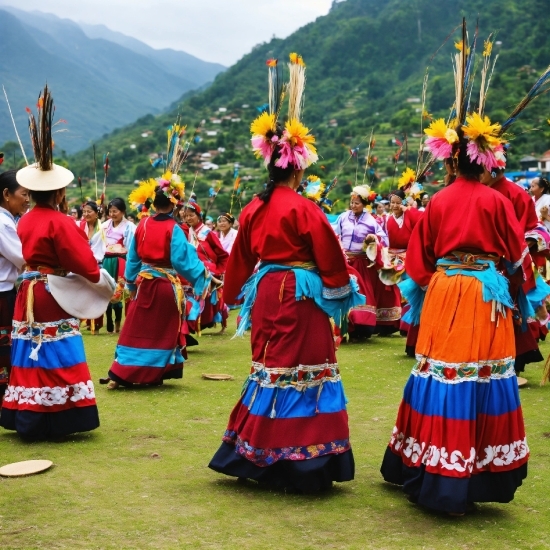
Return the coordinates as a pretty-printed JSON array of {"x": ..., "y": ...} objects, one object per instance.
[{"x": 213, "y": 30}]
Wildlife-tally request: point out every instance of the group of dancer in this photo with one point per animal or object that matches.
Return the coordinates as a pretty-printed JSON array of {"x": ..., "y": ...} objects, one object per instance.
[{"x": 463, "y": 267}]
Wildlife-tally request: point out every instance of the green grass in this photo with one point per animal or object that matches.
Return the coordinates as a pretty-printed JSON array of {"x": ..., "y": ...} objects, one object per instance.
[{"x": 109, "y": 490}]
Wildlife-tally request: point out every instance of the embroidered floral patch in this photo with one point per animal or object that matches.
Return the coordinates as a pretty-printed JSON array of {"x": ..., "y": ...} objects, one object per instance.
[
  {"x": 454, "y": 373},
  {"x": 5, "y": 336},
  {"x": 370, "y": 309},
  {"x": 47, "y": 332},
  {"x": 49, "y": 397},
  {"x": 417, "y": 453},
  {"x": 336, "y": 293},
  {"x": 267, "y": 457},
  {"x": 388, "y": 314},
  {"x": 300, "y": 377}
]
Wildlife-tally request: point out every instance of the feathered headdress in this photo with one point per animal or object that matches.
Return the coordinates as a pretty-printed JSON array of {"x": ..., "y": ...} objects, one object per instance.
[
  {"x": 441, "y": 138},
  {"x": 442, "y": 135},
  {"x": 142, "y": 198},
  {"x": 408, "y": 177},
  {"x": 540, "y": 87},
  {"x": 313, "y": 189},
  {"x": 296, "y": 86},
  {"x": 484, "y": 147},
  {"x": 486, "y": 72},
  {"x": 177, "y": 149},
  {"x": 44, "y": 175},
  {"x": 463, "y": 69},
  {"x": 170, "y": 183},
  {"x": 409, "y": 185},
  {"x": 295, "y": 145}
]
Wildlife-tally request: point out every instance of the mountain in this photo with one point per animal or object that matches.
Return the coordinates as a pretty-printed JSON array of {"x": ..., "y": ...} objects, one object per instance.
[
  {"x": 172, "y": 61},
  {"x": 366, "y": 62},
  {"x": 97, "y": 83}
]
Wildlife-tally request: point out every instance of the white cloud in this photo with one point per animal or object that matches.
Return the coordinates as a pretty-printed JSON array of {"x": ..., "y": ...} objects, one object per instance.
[{"x": 213, "y": 30}]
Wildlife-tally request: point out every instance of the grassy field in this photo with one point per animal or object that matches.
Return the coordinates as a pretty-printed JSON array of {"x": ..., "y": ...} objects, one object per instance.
[{"x": 141, "y": 480}]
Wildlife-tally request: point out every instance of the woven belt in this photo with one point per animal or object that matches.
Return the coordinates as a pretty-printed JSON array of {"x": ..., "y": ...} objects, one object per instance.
[
  {"x": 467, "y": 260},
  {"x": 300, "y": 264},
  {"x": 46, "y": 270}
]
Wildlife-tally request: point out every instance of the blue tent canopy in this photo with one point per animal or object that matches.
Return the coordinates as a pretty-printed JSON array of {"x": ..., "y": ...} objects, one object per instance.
[{"x": 528, "y": 175}]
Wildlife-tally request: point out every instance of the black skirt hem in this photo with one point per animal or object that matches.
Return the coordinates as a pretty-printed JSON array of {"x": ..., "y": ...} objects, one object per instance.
[
  {"x": 174, "y": 374},
  {"x": 37, "y": 426},
  {"x": 451, "y": 494},
  {"x": 311, "y": 475},
  {"x": 532, "y": 356}
]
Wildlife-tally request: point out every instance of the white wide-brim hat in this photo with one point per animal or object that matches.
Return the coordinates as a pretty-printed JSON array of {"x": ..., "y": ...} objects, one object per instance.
[
  {"x": 33, "y": 178},
  {"x": 81, "y": 298},
  {"x": 362, "y": 190}
]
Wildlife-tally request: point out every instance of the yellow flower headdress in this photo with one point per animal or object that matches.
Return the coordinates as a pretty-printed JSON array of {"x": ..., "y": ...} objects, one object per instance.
[
  {"x": 485, "y": 146},
  {"x": 141, "y": 199},
  {"x": 408, "y": 177},
  {"x": 407, "y": 182},
  {"x": 295, "y": 145},
  {"x": 313, "y": 188}
]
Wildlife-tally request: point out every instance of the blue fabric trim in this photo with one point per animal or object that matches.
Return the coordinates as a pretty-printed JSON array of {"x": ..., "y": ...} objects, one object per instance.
[
  {"x": 537, "y": 295},
  {"x": 336, "y": 293},
  {"x": 525, "y": 308},
  {"x": 308, "y": 285},
  {"x": 464, "y": 401},
  {"x": 30, "y": 275},
  {"x": 414, "y": 294},
  {"x": 291, "y": 403},
  {"x": 214, "y": 297},
  {"x": 495, "y": 285},
  {"x": 133, "y": 263},
  {"x": 136, "y": 357},
  {"x": 195, "y": 311},
  {"x": 186, "y": 262},
  {"x": 64, "y": 353}
]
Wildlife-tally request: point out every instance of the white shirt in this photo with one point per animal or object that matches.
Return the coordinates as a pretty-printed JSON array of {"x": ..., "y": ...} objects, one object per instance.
[
  {"x": 122, "y": 234},
  {"x": 227, "y": 240},
  {"x": 544, "y": 200},
  {"x": 11, "y": 254},
  {"x": 98, "y": 242},
  {"x": 399, "y": 221}
]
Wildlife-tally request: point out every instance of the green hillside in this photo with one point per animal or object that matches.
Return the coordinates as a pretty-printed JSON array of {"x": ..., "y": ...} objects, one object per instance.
[{"x": 365, "y": 64}]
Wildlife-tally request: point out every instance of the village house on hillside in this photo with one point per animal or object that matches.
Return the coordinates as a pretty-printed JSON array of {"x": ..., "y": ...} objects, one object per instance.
[{"x": 530, "y": 163}]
